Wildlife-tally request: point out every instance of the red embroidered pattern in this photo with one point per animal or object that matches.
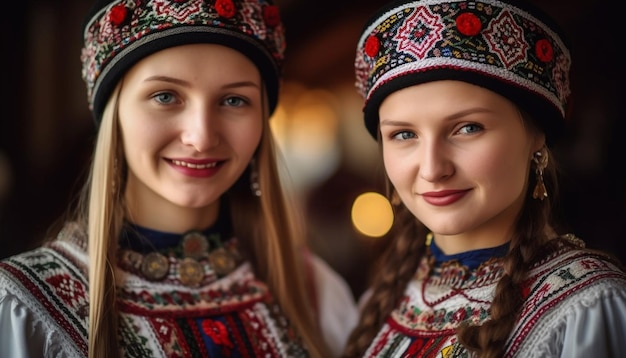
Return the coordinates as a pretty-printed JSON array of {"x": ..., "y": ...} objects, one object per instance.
[
  {"x": 372, "y": 46},
  {"x": 120, "y": 26},
  {"x": 225, "y": 8},
  {"x": 560, "y": 277},
  {"x": 217, "y": 331},
  {"x": 118, "y": 14},
  {"x": 235, "y": 316},
  {"x": 468, "y": 24},
  {"x": 494, "y": 39}
]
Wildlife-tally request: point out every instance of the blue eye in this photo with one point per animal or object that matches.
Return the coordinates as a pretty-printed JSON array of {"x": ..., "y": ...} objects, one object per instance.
[
  {"x": 235, "y": 101},
  {"x": 165, "y": 98},
  {"x": 470, "y": 128},
  {"x": 403, "y": 135}
]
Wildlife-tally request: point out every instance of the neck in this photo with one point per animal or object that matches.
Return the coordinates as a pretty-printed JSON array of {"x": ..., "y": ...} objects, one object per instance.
[
  {"x": 168, "y": 217},
  {"x": 469, "y": 241}
]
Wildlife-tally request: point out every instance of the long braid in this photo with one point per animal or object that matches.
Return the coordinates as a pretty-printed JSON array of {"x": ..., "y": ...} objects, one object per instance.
[
  {"x": 490, "y": 338},
  {"x": 395, "y": 269},
  {"x": 531, "y": 233}
]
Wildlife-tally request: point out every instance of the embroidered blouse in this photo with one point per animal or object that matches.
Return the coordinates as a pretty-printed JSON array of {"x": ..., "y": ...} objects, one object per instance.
[
  {"x": 44, "y": 309},
  {"x": 574, "y": 306}
]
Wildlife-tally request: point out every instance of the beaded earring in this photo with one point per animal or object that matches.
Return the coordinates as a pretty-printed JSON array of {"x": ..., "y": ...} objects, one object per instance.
[
  {"x": 541, "y": 162},
  {"x": 254, "y": 179}
]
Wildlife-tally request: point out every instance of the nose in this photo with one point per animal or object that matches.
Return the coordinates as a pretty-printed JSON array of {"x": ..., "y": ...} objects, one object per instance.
[
  {"x": 200, "y": 129},
  {"x": 434, "y": 161}
]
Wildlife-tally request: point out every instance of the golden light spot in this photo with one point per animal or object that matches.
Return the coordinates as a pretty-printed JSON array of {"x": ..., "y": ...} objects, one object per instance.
[{"x": 372, "y": 214}]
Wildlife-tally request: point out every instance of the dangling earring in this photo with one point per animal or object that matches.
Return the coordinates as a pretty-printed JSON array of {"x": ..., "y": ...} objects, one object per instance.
[
  {"x": 541, "y": 162},
  {"x": 254, "y": 179}
]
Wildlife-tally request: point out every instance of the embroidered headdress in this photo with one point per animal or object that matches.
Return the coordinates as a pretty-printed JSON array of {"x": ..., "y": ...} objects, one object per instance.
[
  {"x": 118, "y": 33},
  {"x": 505, "y": 46}
]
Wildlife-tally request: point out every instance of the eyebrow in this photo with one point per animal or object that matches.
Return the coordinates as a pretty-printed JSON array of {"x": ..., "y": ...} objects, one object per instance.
[
  {"x": 187, "y": 84},
  {"x": 167, "y": 79},
  {"x": 463, "y": 113},
  {"x": 389, "y": 122}
]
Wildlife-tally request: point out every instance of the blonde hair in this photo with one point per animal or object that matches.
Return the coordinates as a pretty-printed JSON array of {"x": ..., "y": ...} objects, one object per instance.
[
  {"x": 265, "y": 225},
  {"x": 276, "y": 238},
  {"x": 103, "y": 216}
]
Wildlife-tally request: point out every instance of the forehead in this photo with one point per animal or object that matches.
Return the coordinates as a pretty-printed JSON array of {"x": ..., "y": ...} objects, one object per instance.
[{"x": 445, "y": 96}]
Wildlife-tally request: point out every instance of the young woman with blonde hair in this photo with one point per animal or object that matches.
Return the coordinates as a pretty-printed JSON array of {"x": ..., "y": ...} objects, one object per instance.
[{"x": 184, "y": 242}]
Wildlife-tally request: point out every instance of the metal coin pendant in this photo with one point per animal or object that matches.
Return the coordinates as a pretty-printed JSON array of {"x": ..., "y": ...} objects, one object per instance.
[
  {"x": 155, "y": 266},
  {"x": 195, "y": 245},
  {"x": 191, "y": 272},
  {"x": 222, "y": 261}
]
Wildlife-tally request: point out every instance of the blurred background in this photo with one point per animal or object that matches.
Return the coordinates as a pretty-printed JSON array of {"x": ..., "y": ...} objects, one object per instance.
[{"x": 46, "y": 131}]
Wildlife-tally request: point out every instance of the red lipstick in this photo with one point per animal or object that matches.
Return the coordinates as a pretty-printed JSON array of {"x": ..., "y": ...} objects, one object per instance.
[
  {"x": 443, "y": 197},
  {"x": 198, "y": 168}
]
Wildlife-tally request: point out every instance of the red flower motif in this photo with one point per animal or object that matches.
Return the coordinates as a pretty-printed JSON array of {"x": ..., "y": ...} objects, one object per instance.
[
  {"x": 217, "y": 331},
  {"x": 71, "y": 291},
  {"x": 118, "y": 14},
  {"x": 459, "y": 315},
  {"x": 271, "y": 15},
  {"x": 544, "y": 50},
  {"x": 468, "y": 24},
  {"x": 372, "y": 45},
  {"x": 225, "y": 8}
]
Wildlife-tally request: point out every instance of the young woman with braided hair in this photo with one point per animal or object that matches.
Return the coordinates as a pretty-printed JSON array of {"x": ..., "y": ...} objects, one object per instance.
[
  {"x": 184, "y": 243},
  {"x": 465, "y": 99}
]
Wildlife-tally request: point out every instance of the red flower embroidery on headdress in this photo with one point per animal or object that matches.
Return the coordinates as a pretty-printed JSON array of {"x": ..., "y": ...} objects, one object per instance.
[
  {"x": 118, "y": 13},
  {"x": 544, "y": 50},
  {"x": 225, "y": 8},
  {"x": 372, "y": 45},
  {"x": 468, "y": 24},
  {"x": 271, "y": 15}
]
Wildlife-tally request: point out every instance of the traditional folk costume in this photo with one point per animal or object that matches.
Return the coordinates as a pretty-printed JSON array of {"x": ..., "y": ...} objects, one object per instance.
[
  {"x": 190, "y": 297},
  {"x": 574, "y": 300},
  {"x": 574, "y": 305},
  {"x": 194, "y": 298}
]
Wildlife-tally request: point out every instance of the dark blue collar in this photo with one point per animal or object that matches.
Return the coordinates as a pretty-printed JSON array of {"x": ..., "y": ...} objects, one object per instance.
[
  {"x": 144, "y": 240},
  {"x": 472, "y": 259}
]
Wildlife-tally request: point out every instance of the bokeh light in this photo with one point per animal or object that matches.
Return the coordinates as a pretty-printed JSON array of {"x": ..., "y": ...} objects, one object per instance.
[{"x": 372, "y": 214}]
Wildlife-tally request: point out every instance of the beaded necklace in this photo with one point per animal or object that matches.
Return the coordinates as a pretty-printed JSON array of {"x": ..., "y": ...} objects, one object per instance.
[{"x": 193, "y": 258}]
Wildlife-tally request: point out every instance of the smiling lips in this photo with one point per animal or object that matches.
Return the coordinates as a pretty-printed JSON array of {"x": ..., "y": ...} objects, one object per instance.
[
  {"x": 196, "y": 168},
  {"x": 194, "y": 165},
  {"x": 443, "y": 197}
]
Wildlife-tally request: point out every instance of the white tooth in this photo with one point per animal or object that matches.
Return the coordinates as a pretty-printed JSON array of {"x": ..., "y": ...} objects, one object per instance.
[{"x": 194, "y": 166}]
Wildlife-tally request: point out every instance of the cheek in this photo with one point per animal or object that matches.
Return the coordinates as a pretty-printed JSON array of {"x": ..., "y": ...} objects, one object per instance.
[
  {"x": 398, "y": 170},
  {"x": 143, "y": 129},
  {"x": 246, "y": 138},
  {"x": 137, "y": 135},
  {"x": 506, "y": 171}
]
